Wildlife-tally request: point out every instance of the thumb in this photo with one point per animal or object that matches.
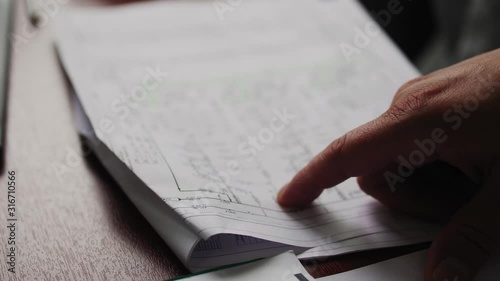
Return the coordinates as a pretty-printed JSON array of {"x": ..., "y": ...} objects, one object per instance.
[{"x": 471, "y": 237}]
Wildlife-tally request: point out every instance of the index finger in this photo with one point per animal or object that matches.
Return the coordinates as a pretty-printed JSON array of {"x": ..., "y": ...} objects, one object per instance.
[{"x": 361, "y": 151}]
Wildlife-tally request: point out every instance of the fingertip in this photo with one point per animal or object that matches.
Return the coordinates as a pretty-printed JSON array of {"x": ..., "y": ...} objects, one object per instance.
[
  {"x": 279, "y": 196},
  {"x": 295, "y": 196},
  {"x": 287, "y": 198}
]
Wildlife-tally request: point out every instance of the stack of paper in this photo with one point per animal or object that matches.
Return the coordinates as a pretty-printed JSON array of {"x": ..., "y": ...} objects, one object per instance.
[{"x": 202, "y": 114}]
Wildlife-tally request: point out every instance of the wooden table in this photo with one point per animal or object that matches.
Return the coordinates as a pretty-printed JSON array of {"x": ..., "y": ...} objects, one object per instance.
[{"x": 79, "y": 225}]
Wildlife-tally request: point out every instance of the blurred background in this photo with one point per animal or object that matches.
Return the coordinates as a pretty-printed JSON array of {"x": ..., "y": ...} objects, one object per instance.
[
  {"x": 434, "y": 33},
  {"x": 438, "y": 33},
  {"x": 412, "y": 29}
]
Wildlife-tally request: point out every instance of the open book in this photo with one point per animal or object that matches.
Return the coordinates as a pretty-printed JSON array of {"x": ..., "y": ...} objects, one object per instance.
[{"x": 202, "y": 110}]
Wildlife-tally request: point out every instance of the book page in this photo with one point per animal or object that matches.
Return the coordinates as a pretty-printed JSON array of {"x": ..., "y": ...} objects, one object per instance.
[{"x": 216, "y": 114}]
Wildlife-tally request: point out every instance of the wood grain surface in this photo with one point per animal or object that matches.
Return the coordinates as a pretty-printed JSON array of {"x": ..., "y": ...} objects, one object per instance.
[{"x": 77, "y": 224}]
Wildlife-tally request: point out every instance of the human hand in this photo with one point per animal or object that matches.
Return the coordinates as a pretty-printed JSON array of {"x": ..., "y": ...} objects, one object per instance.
[{"x": 434, "y": 153}]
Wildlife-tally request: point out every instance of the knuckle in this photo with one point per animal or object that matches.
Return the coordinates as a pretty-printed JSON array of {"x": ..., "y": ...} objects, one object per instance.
[
  {"x": 336, "y": 148},
  {"x": 410, "y": 83},
  {"x": 407, "y": 87},
  {"x": 418, "y": 92},
  {"x": 407, "y": 106}
]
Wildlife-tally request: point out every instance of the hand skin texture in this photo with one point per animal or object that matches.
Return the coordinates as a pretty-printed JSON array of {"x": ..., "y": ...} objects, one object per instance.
[{"x": 435, "y": 153}]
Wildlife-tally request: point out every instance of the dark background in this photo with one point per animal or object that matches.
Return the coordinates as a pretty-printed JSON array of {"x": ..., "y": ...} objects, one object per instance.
[{"x": 412, "y": 28}]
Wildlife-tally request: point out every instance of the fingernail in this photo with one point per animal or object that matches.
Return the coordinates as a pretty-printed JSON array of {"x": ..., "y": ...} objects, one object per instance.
[
  {"x": 451, "y": 269},
  {"x": 281, "y": 193}
]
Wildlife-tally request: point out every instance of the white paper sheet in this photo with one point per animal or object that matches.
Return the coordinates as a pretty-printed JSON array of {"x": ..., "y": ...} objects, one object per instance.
[
  {"x": 406, "y": 268},
  {"x": 284, "y": 267},
  {"x": 247, "y": 101}
]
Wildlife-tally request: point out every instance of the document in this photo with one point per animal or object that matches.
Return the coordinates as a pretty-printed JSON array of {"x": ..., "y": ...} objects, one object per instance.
[
  {"x": 202, "y": 119},
  {"x": 406, "y": 268},
  {"x": 285, "y": 267}
]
